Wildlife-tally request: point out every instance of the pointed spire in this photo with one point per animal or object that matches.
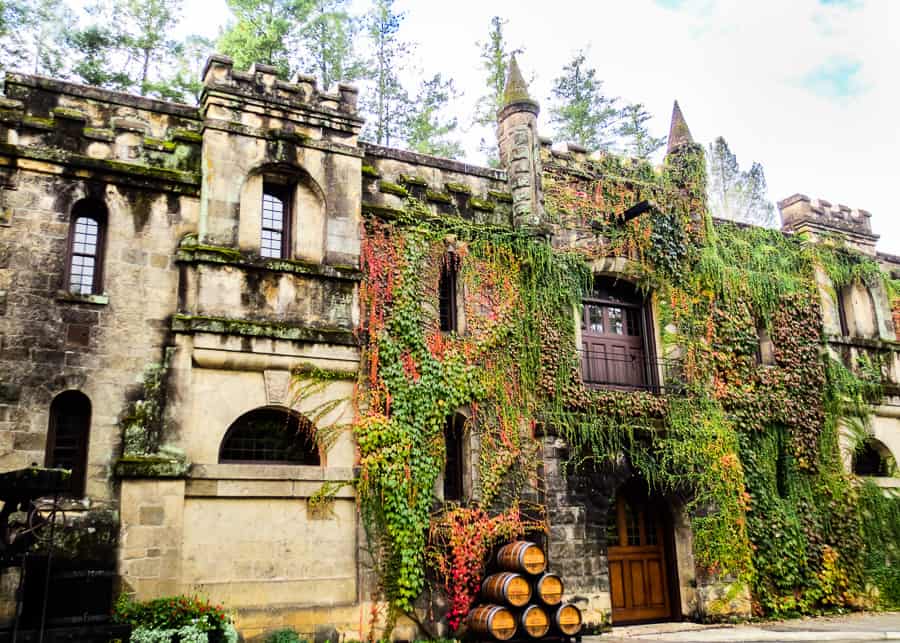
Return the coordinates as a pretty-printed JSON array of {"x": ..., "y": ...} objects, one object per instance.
[
  {"x": 679, "y": 134},
  {"x": 516, "y": 90}
]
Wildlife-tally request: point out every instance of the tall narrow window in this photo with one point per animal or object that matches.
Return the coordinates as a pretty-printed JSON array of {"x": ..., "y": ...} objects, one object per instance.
[
  {"x": 447, "y": 293},
  {"x": 453, "y": 470},
  {"x": 271, "y": 436},
  {"x": 843, "y": 299},
  {"x": 85, "y": 269},
  {"x": 276, "y": 222},
  {"x": 67, "y": 437}
]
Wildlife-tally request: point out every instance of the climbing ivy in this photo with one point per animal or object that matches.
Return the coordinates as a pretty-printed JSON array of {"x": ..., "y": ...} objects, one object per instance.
[{"x": 751, "y": 448}]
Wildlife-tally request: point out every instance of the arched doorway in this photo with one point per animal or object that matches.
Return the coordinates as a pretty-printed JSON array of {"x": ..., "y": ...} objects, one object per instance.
[{"x": 640, "y": 555}]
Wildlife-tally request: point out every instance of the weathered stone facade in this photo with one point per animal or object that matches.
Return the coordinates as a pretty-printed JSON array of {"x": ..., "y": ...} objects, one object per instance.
[{"x": 184, "y": 284}]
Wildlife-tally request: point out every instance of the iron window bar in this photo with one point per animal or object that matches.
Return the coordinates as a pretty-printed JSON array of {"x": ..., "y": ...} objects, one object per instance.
[{"x": 600, "y": 369}]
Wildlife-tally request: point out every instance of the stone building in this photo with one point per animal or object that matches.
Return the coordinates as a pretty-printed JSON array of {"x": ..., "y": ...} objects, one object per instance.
[{"x": 174, "y": 279}]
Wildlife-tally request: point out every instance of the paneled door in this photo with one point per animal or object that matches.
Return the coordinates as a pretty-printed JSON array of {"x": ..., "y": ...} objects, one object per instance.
[{"x": 637, "y": 562}]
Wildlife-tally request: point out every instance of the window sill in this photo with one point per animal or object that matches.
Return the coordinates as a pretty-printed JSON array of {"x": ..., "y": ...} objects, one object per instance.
[{"x": 97, "y": 300}]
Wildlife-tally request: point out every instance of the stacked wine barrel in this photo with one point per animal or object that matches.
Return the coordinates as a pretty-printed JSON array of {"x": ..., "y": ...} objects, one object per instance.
[{"x": 521, "y": 599}]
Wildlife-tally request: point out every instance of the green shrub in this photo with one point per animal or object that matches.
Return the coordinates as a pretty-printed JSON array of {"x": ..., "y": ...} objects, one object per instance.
[
  {"x": 285, "y": 636},
  {"x": 182, "y": 618}
]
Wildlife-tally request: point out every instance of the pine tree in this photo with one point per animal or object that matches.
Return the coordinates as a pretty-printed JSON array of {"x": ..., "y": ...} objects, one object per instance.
[
  {"x": 32, "y": 36},
  {"x": 264, "y": 31},
  {"x": 327, "y": 39},
  {"x": 387, "y": 106},
  {"x": 495, "y": 55},
  {"x": 580, "y": 111},
  {"x": 427, "y": 131},
  {"x": 736, "y": 195},
  {"x": 144, "y": 25},
  {"x": 636, "y": 138},
  {"x": 95, "y": 52},
  {"x": 183, "y": 83}
]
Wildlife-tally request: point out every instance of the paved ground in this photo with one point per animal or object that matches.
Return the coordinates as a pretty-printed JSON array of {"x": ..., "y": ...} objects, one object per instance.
[{"x": 833, "y": 629}]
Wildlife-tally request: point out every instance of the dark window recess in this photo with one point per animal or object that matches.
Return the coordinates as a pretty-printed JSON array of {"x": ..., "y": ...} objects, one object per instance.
[
  {"x": 86, "y": 231},
  {"x": 868, "y": 461},
  {"x": 276, "y": 220},
  {"x": 453, "y": 470},
  {"x": 274, "y": 436},
  {"x": 67, "y": 437},
  {"x": 447, "y": 292},
  {"x": 615, "y": 347},
  {"x": 843, "y": 295}
]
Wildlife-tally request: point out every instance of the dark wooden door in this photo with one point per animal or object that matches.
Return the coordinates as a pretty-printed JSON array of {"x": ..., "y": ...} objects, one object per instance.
[
  {"x": 613, "y": 345},
  {"x": 637, "y": 562}
]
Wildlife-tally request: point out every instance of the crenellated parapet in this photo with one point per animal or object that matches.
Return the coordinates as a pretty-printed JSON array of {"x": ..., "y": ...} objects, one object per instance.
[
  {"x": 258, "y": 100},
  {"x": 103, "y": 133},
  {"x": 819, "y": 217}
]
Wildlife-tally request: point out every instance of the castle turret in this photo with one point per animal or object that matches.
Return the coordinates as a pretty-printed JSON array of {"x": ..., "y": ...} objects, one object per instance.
[
  {"x": 679, "y": 134},
  {"x": 821, "y": 218},
  {"x": 520, "y": 148}
]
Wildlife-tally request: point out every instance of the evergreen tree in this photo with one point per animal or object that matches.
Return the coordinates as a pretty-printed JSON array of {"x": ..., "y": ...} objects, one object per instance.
[
  {"x": 264, "y": 31},
  {"x": 183, "y": 82},
  {"x": 579, "y": 110},
  {"x": 495, "y": 55},
  {"x": 95, "y": 52},
  {"x": 327, "y": 39},
  {"x": 387, "y": 105},
  {"x": 427, "y": 130},
  {"x": 32, "y": 36},
  {"x": 144, "y": 26},
  {"x": 736, "y": 195},
  {"x": 636, "y": 138}
]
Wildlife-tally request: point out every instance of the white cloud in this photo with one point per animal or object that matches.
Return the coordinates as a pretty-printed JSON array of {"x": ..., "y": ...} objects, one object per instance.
[{"x": 740, "y": 69}]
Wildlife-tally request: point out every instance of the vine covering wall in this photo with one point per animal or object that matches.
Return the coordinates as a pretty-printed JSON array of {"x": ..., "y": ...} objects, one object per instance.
[{"x": 752, "y": 447}]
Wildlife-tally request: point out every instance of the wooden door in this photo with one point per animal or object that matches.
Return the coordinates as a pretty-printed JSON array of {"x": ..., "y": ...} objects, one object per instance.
[{"x": 637, "y": 562}]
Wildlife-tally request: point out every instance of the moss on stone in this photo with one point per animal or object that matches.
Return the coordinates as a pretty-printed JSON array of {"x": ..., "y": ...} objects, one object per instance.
[
  {"x": 480, "y": 204},
  {"x": 311, "y": 371},
  {"x": 392, "y": 188},
  {"x": 38, "y": 122},
  {"x": 159, "y": 144},
  {"x": 504, "y": 197},
  {"x": 382, "y": 211},
  {"x": 410, "y": 179},
  {"x": 458, "y": 188},
  {"x": 100, "y": 134},
  {"x": 193, "y": 252},
  {"x": 71, "y": 114},
  {"x": 150, "y": 466},
  {"x": 370, "y": 171},
  {"x": 438, "y": 197},
  {"x": 10, "y": 115},
  {"x": 186, "y": 135},
  {"x": 252, "y": 328}
]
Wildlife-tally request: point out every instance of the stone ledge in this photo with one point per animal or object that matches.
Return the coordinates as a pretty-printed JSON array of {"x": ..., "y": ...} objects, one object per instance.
[
  {"x": 232, "y": 127},
  {"x": 75, "y": 298},
  {"x": 190, "y": 324},
  {"x": 150, "y": 467},
  {"x": 233, "y": 257}
]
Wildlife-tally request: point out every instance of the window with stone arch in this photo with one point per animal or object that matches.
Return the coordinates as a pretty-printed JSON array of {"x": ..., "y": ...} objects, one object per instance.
[
  {"x": 67, "y": 437},
  {"x": 270, "y": 435},
  {"x": 873, "y": 459},
  {"x": 447, "y": 293},
  {"x": 276, "y": 220},
  {"x": 454, "y": 467},
  {"x": 86, "y": 245}
]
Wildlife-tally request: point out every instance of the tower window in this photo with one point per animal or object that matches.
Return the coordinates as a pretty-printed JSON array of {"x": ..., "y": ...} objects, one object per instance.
[
  {"x": 67, "y": 437},
  {"x": 447, "y": 292},
  {"x": 276, "y": 220},
  {"x": 453, "y": 469},
  {"x": 86, "y": 231}
]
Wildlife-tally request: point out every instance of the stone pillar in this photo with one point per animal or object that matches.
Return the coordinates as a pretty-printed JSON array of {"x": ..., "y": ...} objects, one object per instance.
[
  {"x": 152, "y": 528},
  {"x": 520, "y": 153}
]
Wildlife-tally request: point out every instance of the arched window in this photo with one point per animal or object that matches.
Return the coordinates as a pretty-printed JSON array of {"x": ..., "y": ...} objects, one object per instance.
[
  {"x": 873, "y": 459},
  {"x": 615, "y": 336},
  {"x": 454, "y": 429},
  {"x": 87, "y": 230},
  {"x": 67, "y": 437},
  {"x": 447, "y": 293},
  {"x": 275, "y": 235},
  {"x": 271, "y": 436}
]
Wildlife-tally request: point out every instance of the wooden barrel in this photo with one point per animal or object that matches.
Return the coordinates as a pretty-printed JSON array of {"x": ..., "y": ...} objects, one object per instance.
[
  {"x": 506, "y": 588},
  {"x": 535, "y": 621},
  {"x": 567, "y": 619},
  {"x": 549, "y": 589},
  {"x": 523, "y": 557},
  {"x": 492, "y": 621}
]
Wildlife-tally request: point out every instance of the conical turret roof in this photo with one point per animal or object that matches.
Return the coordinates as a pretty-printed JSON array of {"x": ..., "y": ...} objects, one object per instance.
[
  {"x": 679, "y": 134},
  {"x": 516, "y": 90}
]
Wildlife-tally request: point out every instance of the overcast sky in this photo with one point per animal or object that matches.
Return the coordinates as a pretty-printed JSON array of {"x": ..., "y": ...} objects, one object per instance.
[{"x": 810, "y": 88}]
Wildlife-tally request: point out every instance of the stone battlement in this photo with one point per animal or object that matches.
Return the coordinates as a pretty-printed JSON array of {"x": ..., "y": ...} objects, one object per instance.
[
  {"x": 262, "y": 82},
  {"x": 799, "y": 211}
]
